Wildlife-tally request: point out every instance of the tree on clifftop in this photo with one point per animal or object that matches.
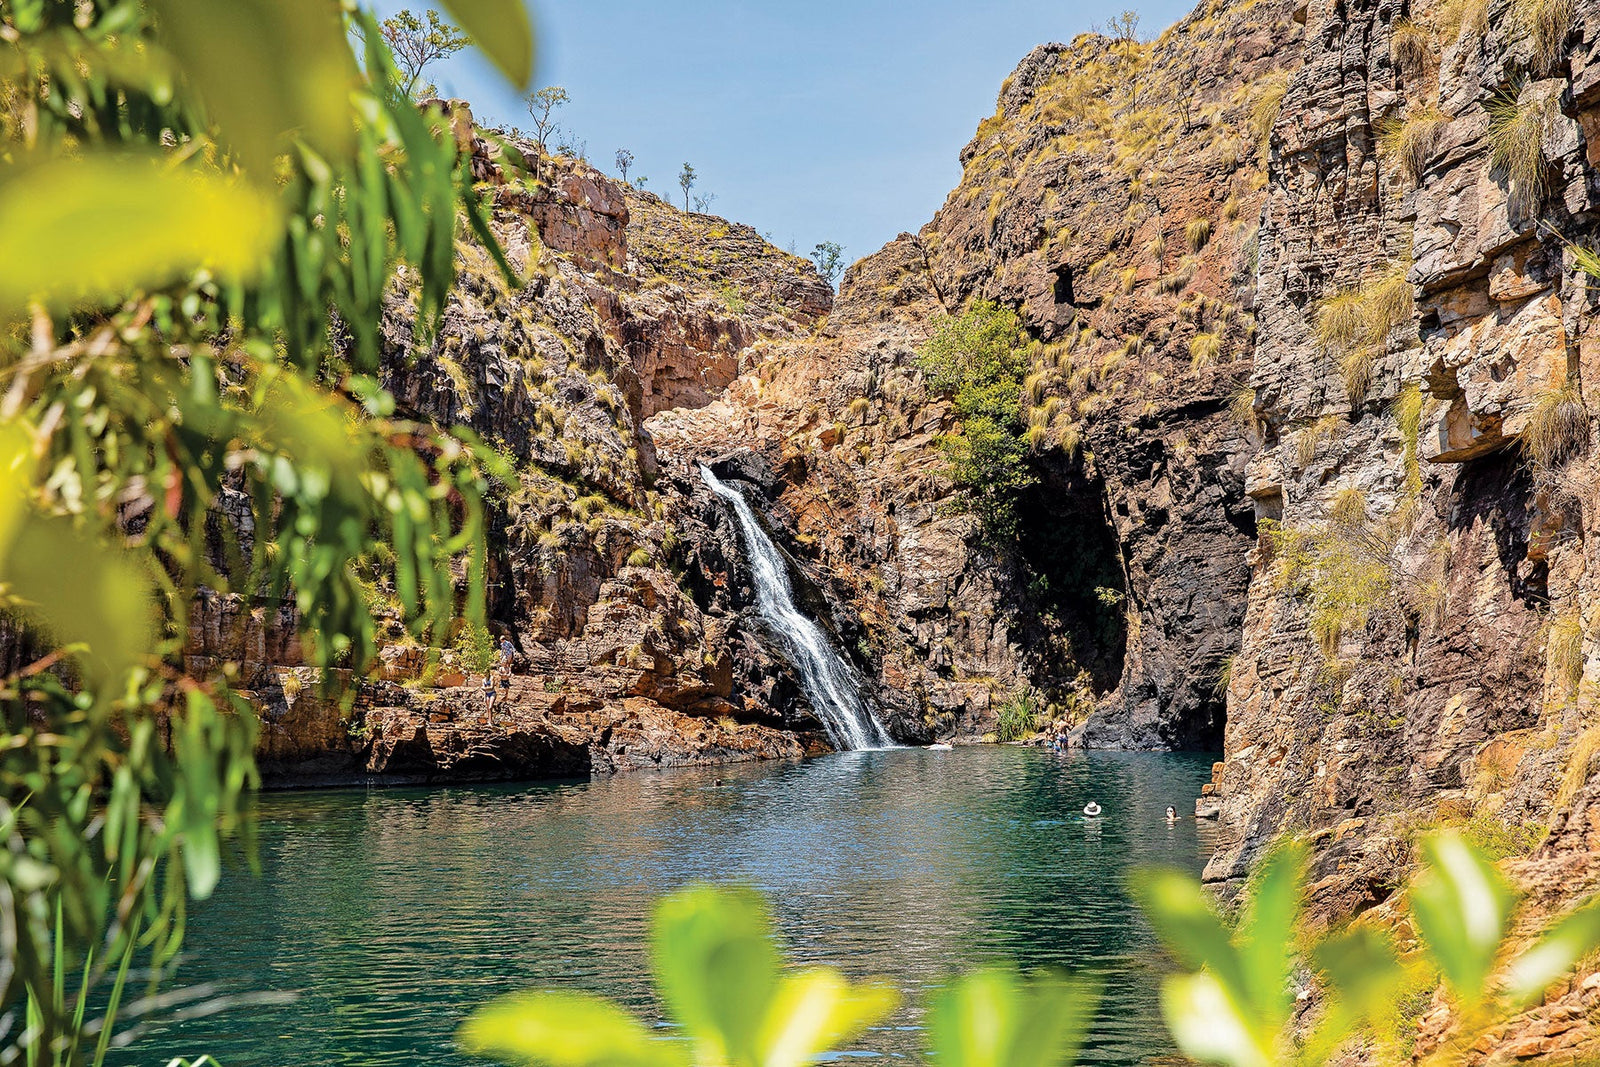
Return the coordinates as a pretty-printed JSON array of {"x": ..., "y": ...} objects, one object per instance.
[
  {"x": 829, "y": 258},
  {"x": 624, "y": 161},
  {"x": 542, "y": 106},
  {"x": 686, "y": 179},
  {"x": 417, "y": 43}
]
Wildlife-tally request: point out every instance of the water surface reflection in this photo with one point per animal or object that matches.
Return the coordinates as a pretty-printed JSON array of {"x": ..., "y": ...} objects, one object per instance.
[{"x": 393, "y": 912}]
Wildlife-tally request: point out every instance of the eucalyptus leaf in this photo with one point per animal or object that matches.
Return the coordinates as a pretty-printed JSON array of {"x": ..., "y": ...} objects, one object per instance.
[
  {"x": 82, "y": 591},
  {"x": 503, "y": 30},
  {"x": 563, "y": 1029},
  {"x": 1208, "y": 1024},
  {"x": 1461, "y": 906},
  {"x": 1267, "y": 931},
  {"x": 1186, "y": 920},
  {"x": 266, "y": 69},
  {"x": 996, "y": 1018},
  {"x": 79, "y": 229},
  {"x": 817, "y": 1011},
  {"x": 1573, "y": 937},
  {"x": 717, "y": 969}
]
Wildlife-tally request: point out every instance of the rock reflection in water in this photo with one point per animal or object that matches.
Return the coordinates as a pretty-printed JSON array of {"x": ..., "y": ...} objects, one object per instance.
[{"x": 394, "y": 912}]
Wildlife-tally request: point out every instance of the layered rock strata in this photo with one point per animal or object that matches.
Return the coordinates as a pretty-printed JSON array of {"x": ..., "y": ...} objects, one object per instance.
[
  {"x": 1112, "y": 200},
  {"x": 624, "y": 593}
]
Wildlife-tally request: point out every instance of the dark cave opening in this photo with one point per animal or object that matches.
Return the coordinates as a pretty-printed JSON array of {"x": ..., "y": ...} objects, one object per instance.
[
  {"x": 1073, "y": 586},
  {"x": 1063, "y": 286}
]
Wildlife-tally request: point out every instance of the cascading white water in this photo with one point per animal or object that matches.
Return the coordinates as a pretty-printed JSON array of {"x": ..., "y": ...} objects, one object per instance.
[{"x": 846, "y": 717}]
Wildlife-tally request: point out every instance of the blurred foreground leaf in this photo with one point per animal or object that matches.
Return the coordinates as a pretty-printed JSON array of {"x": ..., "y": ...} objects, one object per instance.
[
  {"x": 503, "y": 30},
  {"x": 73, "y": 230}
]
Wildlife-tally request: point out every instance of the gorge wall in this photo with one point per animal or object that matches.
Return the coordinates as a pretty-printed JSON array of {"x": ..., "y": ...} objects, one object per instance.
[
  {"x": 1112, "y": 200},
  {"x": 623, "y": 588},
  {"x": 1307, "y": 326},
  {"x": 1416, "y": 648}
]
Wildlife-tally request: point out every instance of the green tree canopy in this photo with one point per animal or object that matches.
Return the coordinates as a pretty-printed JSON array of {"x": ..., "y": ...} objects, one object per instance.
[
  {"x": 978, "y": 359},
  {"x": 416, "y": 43}
]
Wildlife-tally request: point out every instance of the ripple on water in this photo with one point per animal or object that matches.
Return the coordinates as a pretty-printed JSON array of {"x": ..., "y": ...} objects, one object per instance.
[{"x": 393, "y": 912}]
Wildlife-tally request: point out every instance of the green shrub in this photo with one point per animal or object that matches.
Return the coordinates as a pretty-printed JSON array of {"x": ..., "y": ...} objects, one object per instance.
[
  {"x": 1409, "y": 45},
  {"x": 1341, "y": 569},
  {"x": 1410, "y": 141},
  {"x": 1266, "y": 102},
  {"x": 1564, "y": 650},
  {"x": 732, "y": 300},
  {"x": 1558, "y": 427},
  {"x": 1019, "y": 715},
  {"x": 1463, "y": 18},
  {"x": 1354, "y": 324},
  {"x": 475, "y": 647},
  {"x": 1205, "y": 351},
  {"x": 978, "y": 358},
  {"x": 1496, "y": 838},
  {"x": 1355, "y": 370},
  {"x": 1547, "y": 23},
  {"x": 1243, "y": 409}
]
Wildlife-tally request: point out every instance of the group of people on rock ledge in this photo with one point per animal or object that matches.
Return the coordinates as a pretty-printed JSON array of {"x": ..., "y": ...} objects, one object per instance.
[{"x": 497, "y": 679}]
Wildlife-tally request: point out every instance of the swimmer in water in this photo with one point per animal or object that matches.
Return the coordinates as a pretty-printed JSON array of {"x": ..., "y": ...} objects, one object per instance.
[
  {"x": 1091, "y": 809},
  {"x": 1172, "y": 813}
]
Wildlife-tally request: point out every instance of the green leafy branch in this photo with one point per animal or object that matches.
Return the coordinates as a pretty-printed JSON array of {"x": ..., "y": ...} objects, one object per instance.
[
  {"x": 718, "y": 970},
  {"x": 1234, "y": 1001}
]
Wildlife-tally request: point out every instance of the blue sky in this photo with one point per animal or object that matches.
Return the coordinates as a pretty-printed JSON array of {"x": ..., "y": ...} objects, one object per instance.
[{"x": 823, "y": 120}]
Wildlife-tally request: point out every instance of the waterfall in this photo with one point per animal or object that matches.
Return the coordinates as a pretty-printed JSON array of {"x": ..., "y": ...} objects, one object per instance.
[{"x": 823, "y": 672}]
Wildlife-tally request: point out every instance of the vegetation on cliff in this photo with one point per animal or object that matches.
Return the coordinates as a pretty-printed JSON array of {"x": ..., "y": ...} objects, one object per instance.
[
  {"x": 198, "y": 243},
  {"x": 979, "y": 358}
]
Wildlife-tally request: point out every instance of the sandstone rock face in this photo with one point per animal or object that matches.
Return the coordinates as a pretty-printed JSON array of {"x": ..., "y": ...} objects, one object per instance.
[
  {"x": 1452, "y": 677},
  {"x": 624, "y": 592},
  {"x": 1309, "y": 354},
  {"x": 1120, "y": 223}
]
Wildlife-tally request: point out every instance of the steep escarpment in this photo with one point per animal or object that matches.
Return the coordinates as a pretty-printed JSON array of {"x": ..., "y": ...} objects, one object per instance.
[
  {"x": 1417, "y": 646},
  {"x": 623, "y": 592},
  {"x": 1112, "y": 201}
]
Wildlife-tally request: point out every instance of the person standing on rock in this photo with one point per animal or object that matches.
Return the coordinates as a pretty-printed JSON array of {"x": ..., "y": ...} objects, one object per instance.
[
  {"x": 506, "y": 654},
  {"x": 488, "y": 695}
]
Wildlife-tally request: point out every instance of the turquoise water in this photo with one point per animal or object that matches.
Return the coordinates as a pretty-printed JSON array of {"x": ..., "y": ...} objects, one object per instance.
[{"x": 390, "y": 913}]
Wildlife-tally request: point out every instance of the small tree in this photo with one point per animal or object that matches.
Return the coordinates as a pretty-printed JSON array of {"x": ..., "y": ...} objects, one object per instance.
[
  {"x": 418, "y": 42},
  {"x": 703, "y": 202},
  {"x": 573, "y": 148},
  {"x": 624, "y": 161},
  {"x": 686, "y": 179},
  {"x": 1124, "y": 28},
  {"x": 829, "y": 258},
  {"x": 541, "y": 107},
  {"x": 979, "y": 360}
]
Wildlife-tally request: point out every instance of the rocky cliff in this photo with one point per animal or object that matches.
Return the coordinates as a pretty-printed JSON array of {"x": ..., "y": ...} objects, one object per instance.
[
  {"x": 622, "y": 589},
  {"x": 1112, "y": 199},
  {"x": 1306, "y": 287},
  {"x": 1416, "y": 645},
  {"x": 1309, "y": 288},
  {"x": 1307, "y": 321}
]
